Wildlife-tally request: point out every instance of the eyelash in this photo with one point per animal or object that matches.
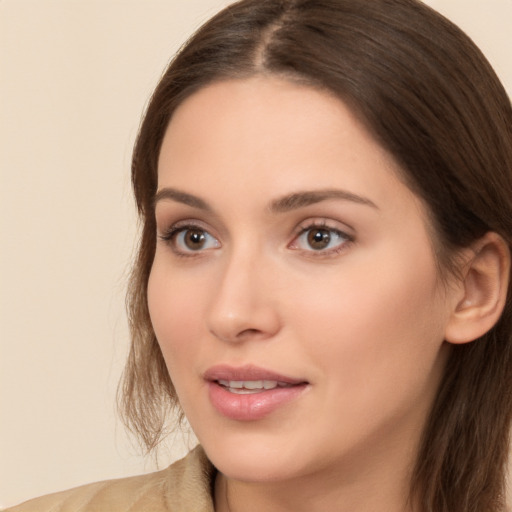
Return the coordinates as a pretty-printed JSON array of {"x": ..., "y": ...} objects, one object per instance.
[
  {"x": 170, "y": 236},
  {"x": 322, "y": 225}
]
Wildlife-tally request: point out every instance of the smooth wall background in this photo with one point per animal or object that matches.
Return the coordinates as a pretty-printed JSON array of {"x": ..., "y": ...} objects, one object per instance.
[{"x": 75, "y": 76}]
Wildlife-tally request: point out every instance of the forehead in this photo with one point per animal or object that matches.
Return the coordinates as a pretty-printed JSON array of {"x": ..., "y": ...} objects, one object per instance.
[
  {"x": 264, "y": 116},
  {"x": 267, "y": 136}
]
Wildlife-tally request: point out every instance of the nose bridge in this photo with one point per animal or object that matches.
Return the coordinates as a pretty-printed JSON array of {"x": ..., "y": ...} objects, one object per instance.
[{"x": 242, "y": 305}]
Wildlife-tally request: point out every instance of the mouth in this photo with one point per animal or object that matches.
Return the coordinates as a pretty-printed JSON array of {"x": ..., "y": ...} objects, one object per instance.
[
  {"x": 250, "y": 393},
  {"x": 247, "y": 387},
  {"x": 249, "y": 378}
]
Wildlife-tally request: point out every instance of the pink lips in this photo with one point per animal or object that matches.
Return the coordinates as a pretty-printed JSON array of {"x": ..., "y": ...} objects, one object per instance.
[{"x": 249, "y": 393}]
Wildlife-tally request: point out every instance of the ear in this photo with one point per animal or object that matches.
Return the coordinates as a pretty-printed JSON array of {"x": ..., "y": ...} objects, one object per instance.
[{"x": 482, "y": 292}]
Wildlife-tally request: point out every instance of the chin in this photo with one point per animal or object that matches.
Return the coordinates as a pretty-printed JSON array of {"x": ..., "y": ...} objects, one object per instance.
[
  {"x": 253, "y": 458},
  {"x": 256, "y": 470}
]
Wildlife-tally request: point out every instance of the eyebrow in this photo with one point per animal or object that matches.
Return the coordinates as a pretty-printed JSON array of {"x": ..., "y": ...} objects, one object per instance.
[
  {"x": 306, "y": 198},
  {"x": 283, "y": 204},
  {"x": 181, "y": 197}
]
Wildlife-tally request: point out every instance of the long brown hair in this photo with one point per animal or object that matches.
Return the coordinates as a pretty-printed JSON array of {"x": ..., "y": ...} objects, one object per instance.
[{"x": 432, "y": 100}]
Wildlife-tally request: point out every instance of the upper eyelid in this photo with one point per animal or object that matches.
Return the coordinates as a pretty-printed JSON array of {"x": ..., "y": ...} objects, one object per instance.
[
  {"x": 168, "y": 231},
  {"x": 171, "y": 212},
  {"x": 341, "y": 232},
  {"x": 327, "y": 223},
  {"x": 166, "y": 227}
]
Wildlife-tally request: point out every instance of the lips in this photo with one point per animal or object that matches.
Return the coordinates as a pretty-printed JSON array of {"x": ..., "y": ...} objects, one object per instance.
[{"x": 250, "y": 393}]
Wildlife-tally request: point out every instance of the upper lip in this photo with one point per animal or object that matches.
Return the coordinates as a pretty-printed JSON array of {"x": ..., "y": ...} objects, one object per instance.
[{"x": 247, "y": 373}]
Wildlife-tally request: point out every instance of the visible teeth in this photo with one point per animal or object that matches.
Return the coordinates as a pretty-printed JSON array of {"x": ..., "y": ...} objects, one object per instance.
[
  {"x": 249, "y": 385},
  {"x": 253, "y": 384}
]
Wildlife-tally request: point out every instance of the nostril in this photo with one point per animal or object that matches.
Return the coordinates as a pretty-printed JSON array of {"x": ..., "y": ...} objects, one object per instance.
[
  {"x": 242, "y": 335},
  {"x": 248, "y": 332}
]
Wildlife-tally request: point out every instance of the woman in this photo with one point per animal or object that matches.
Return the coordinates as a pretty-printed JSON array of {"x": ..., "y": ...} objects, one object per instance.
[{"x": 323, "y": 274}]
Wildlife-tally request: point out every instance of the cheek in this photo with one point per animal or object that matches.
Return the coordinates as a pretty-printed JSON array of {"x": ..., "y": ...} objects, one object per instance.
[
  {"x": 175, "y": 310},
  {"x": 375, "y": 329}
]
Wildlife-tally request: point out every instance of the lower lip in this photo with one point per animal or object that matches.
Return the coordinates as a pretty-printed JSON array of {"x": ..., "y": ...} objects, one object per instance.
[{"x": 253, "y": 406}]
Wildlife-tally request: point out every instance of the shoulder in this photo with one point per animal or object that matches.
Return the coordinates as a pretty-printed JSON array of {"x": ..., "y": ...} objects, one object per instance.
[{"x": 185, "y": 486}]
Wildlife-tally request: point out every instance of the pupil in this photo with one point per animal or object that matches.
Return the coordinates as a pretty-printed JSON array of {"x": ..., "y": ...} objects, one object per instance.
[
  {"x": 319, "y": 239},
  {"x": 195, "y": 239}
]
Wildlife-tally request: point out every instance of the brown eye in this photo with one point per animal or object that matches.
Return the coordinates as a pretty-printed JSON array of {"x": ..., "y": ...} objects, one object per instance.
[
  {"x": 318, "y": 238},
  {"x": 190, "y": 239},
  {"x": 321, "y": 239},
  {"x": 194, "y": 239}
]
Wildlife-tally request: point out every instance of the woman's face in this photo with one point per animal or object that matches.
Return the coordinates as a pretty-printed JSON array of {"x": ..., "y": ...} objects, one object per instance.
[{"x": 294, "y": 291}]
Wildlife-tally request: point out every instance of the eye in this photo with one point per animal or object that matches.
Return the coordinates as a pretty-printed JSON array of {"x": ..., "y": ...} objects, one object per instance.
[
  {"x": 188, "y": 239},
  {"x": 320, "y": 238}
]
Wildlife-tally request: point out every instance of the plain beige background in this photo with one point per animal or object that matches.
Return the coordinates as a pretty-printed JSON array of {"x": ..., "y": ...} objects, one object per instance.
[{"x": 74, "y": 78}]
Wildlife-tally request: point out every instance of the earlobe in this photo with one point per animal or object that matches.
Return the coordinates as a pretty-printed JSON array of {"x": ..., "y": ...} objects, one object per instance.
[{"x": 484, "y": 286}]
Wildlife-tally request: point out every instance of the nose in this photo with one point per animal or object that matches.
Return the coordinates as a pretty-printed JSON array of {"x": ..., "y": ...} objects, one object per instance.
[{"x": 244, "y": 305}]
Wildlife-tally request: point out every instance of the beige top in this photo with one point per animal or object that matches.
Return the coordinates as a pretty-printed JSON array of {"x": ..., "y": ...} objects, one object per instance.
[{"x": 185, "y": 486}]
